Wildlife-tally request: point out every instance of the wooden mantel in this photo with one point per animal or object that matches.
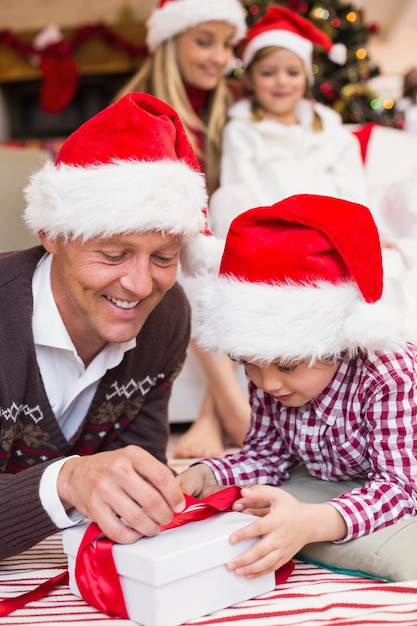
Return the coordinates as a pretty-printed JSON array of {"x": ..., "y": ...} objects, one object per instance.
[{"x": 94, "y": 57}]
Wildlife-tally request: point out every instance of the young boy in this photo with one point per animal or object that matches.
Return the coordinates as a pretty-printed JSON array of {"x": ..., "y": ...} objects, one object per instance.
[{"x": 299, "y": 300}]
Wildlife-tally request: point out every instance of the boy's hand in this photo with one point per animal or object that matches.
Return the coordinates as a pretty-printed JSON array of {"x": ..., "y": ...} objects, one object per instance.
[
  {"x": 198, "y": 481},
  {"x": 283, "y": 531},
  {"x": 252, "y": 506}
]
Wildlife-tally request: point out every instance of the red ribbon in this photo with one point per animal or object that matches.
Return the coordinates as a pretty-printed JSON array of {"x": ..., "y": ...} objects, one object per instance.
[
  {"x": 96, "y": 574},
  {"x": 8, "y": 605}
]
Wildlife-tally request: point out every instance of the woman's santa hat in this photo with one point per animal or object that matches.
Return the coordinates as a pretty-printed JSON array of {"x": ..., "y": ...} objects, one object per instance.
[
  {"x": 130, "y": 168},
  {"x": 301, "y": 279},
  {"x": 282, "y": 28},
  {"x": 173, "y": 17}
]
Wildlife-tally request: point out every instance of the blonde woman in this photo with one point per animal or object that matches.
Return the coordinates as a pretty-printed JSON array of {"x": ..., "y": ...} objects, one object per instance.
[{"x": 191, "y": 48}]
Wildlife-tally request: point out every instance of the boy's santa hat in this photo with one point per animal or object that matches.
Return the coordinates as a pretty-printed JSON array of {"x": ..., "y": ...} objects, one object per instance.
[
  {"x": 130, "y": 168},
  {"x": 283, "y": 28},
  {"x": 173, "y": 17},
  {"x": 301, "y": 279}
]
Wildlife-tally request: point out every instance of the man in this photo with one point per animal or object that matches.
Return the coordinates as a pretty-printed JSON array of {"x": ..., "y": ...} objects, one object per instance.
[{"x": 94, "y": 329}]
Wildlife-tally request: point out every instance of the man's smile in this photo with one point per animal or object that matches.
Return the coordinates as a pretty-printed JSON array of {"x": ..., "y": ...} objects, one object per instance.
[{"x": 123, "y": 304}]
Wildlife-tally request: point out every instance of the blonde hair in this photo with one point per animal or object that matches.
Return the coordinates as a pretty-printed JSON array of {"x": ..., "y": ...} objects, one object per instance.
[
  {"x": 160, "y": 76},
  {"x": 258, "y": 111}
]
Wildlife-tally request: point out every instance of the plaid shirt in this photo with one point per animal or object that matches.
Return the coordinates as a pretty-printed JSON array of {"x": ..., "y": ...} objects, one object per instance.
[{"x": 362, "y": 426}]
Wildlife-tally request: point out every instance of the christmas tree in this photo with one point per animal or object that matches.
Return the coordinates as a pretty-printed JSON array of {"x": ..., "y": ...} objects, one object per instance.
[{"x": 345, "y": 88}]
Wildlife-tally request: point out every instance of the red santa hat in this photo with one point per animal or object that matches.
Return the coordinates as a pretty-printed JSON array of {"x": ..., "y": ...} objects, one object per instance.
[
  {"x": 173, "y": 17},
  {"x": 130, "y": 168},
  {"x": 283, "y": 28},
  {"x": 301, "y": 279}
]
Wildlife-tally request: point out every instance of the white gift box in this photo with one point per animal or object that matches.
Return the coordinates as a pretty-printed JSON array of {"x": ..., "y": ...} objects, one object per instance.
[{"x": 180, "y": 574}]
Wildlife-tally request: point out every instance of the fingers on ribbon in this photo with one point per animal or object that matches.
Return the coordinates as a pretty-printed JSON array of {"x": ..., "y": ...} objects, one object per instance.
[
  {"x": 145, "y": 509},
  {"x": 162, "y": 482}
]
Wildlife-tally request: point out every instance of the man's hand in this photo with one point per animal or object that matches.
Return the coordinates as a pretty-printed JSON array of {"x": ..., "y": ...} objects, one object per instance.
[{"x": 127, "y": 492}]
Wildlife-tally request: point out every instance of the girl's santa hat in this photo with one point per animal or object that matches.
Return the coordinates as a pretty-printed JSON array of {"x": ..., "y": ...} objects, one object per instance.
[
  {"x": 301, "y": 279},
  {"x": 173, "y": 17},
  {"x": 130, "y": 168},
  {"x": 283, "y": 28}
]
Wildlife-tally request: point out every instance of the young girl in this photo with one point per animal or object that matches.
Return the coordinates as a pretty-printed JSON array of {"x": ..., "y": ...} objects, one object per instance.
[
  {"x": 278, "y": 142},
  {"x": 333, "y": 385},
  {"x": 191, "y": 46}
]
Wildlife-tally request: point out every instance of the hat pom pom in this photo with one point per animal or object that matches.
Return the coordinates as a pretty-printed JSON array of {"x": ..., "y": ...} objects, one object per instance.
[
  {"x": 202, "y": 254},
  {"x": 338, "y": 53}
]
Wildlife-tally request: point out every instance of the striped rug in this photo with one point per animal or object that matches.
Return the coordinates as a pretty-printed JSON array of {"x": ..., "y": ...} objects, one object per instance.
[{"x": 310, "y": 597}]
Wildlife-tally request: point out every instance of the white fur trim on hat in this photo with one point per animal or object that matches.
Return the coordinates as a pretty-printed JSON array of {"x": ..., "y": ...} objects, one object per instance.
[
  {"x": 260, "y": 321},
  {"x": 301, "y": 46},
  {"x": 119, "y": 197},
  {"x": 176, "y": 17}
]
